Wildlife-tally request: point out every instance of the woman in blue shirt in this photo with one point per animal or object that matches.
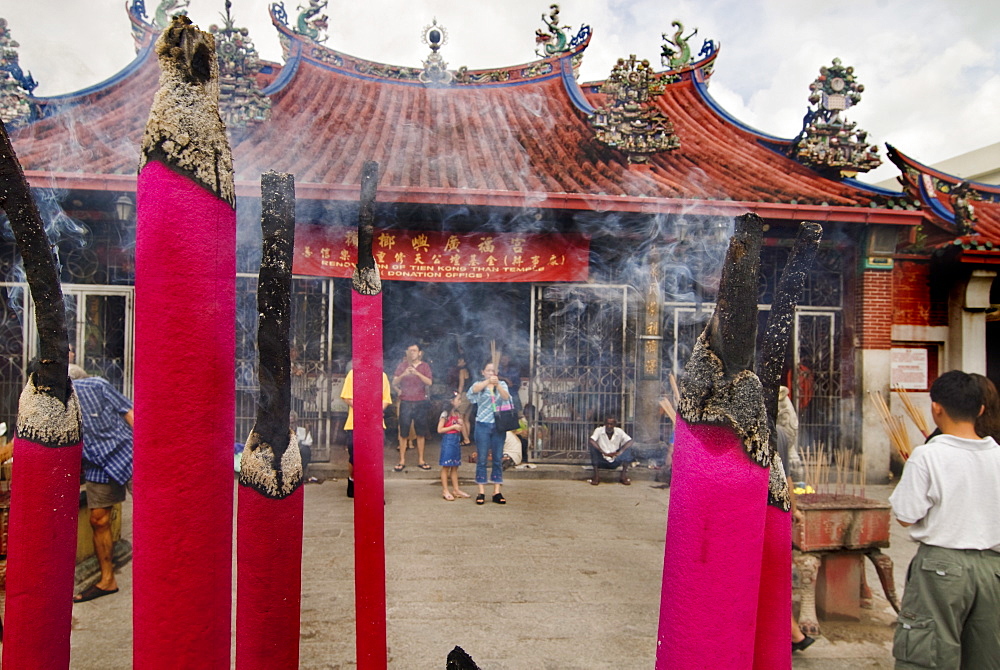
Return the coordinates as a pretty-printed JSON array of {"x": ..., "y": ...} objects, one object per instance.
[{"x": 489, "y": 394}]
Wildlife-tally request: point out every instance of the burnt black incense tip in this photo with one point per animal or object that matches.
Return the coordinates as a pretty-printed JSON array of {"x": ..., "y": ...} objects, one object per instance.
[{"x": 366, "y": 280}]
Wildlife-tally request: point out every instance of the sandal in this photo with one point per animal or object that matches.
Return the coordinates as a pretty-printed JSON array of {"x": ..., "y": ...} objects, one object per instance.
[
  {"x": 499, "y": 499},
  {"x": 462, "y": 494},
  {"x": 424, "y": 466},
  {"x": 448, "y": 496},
  {"x": 481, "y": 499},
  {"x": 398, "y": 468}
]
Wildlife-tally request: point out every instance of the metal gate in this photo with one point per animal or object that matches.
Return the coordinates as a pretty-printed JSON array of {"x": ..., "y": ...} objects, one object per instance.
[
  {"x": 583, "y": 365},
  {"x": 816, "y": 381},
  {"x": 99, "y": 321},
  {"x": 315, "y": 384}
]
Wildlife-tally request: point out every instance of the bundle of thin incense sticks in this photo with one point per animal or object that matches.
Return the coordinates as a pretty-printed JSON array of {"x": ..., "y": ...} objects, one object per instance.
[
  {"x": 916, "y": 417},
  {"x": 816, "y": 463},
  {"x": 494, "y": 354},
  {"x": 893, "y": 426},
  {"x": 668, "y": 407}
]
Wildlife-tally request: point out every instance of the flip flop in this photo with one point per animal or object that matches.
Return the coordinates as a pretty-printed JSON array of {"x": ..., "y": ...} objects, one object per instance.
[
  {"x": 424, "y": 466},
  {"x": 92, "y": 593},
  {"x": 448, "y": 496},
  {"x": 397, "y": 468},
  {"x": 462, "y": 494}
]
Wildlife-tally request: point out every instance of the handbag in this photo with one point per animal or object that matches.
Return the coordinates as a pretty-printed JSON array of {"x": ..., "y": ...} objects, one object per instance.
[{"x": 505, "y": 417}]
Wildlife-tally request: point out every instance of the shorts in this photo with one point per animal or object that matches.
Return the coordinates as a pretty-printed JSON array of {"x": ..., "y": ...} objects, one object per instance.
[
  {"x": 415, "y": 412},
  {"x": 106, "y": 495}
]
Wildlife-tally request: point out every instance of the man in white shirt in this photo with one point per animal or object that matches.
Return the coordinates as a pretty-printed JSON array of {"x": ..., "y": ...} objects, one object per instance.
[
  {"x": 949, "y": 498},
  {"x": 610, "y": 447}
]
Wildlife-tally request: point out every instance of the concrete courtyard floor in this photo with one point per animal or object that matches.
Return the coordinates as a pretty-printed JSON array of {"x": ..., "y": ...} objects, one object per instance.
[{"x": 565, "y": 576}]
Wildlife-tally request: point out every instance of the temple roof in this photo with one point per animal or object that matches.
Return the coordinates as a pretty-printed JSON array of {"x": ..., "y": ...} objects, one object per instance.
[
  {"x": 512, "y": 137},
  {"x": 964, "y": 215}
]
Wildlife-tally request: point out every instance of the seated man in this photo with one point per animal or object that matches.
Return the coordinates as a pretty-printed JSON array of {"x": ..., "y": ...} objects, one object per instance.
[{"x": 610, "y": 446}]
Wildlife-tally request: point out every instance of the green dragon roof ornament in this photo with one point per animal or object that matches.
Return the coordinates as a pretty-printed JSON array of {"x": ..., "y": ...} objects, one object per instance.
[
  {"x": 309, "y": 23},
  {"x": 676, "y": 53},
  {"x": 167, "y": 9}
]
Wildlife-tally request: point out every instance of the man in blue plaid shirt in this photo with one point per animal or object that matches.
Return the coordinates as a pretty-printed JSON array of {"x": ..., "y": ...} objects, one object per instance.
[{"x": 107, "y": 468}]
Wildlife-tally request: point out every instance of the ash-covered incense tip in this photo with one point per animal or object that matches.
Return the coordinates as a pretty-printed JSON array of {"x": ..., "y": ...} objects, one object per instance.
[
  {"x": 708, "y": 395},
  {"x": 185, "y": 130},
  {"x": 257, "y": 467},
  {"x": 46, "y": 420},
  {"x": 367, "y": 281}
]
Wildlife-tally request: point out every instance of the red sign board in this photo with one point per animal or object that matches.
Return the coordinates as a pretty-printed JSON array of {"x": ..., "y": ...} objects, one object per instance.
[{"x": 414, "y": 255}]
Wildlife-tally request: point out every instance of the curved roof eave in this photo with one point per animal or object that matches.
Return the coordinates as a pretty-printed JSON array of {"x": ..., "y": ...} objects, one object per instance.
[
  {"x": 903, "y": 161},
  {"x": 116, "y": 79}
]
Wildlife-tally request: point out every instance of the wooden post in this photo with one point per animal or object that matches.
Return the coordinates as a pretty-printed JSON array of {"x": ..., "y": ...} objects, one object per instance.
[
  {"x": 369, "y": 436},
  {"x": 185, "y": 349}
]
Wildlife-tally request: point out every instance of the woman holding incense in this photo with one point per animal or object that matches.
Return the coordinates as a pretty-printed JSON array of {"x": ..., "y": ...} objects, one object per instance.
[{"x": 488, "y": 394}]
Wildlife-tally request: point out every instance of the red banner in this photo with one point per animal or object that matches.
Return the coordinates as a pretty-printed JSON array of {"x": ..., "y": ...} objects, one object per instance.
[{"x": 413, "y": 255}]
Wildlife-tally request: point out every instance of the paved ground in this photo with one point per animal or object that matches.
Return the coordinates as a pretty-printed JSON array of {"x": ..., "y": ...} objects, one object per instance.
[{"x": 565, "y": 576}]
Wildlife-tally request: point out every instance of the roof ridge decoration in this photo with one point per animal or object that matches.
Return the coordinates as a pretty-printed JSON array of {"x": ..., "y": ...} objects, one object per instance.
[
  {"x": 15, "y": 85},
  {"x": 166, "y": 10},
  {"x": 630, "y": 121},
  {"x": 309, "y": 24},
  {"x": 676, "y": 53},
  {"x": 827, "y": 141},
  {"x": 241, "y": 103},
  {"x": 558, "y": 42},
  {"x": 435, "y": 68},
  {"x": 962, "y": 195}
]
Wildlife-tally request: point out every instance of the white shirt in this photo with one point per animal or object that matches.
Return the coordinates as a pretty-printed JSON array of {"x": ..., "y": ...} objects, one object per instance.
[
  {"x": 950, "y": 492},
  {"x": 609, "y": 445}
]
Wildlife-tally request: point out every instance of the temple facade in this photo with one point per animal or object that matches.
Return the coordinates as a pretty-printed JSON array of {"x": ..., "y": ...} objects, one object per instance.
[{"x": 578, "y": 227}]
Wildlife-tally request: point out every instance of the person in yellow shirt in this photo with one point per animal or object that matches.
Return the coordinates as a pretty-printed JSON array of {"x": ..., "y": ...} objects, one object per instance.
[{"x": 347, "y": 394}]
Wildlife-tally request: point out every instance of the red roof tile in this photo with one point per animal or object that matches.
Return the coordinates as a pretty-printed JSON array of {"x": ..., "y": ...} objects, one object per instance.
[{"x": 510, "y": 137}]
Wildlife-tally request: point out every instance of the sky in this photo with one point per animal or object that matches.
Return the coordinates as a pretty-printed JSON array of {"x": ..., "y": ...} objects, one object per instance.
[{"x": 931, "y": 68}]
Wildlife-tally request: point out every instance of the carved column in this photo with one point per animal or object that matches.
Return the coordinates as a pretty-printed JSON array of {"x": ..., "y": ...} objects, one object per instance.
[{"x": 648, "y": 387}]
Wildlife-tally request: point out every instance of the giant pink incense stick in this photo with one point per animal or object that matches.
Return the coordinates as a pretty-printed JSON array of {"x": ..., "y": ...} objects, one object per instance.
[
  {"x": 185, "y": 296},
  {"x": 270, "y": 498},
  {"x": 48, "y": 446},
  {"x": 728, "y": 549},
  {"x": 369, "y": 487}
]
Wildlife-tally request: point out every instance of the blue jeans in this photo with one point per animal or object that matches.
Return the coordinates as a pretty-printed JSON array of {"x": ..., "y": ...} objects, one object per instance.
[{"x": 488, "y": 441}]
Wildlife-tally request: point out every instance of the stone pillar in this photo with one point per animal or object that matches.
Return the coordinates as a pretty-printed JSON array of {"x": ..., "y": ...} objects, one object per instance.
[
  {"x": 967, "y": 305},
  {"x": 874, "y": 341}
]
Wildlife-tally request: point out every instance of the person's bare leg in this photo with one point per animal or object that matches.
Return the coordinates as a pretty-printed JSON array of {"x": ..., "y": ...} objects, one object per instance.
[
  {"x": 100, "y": 523},
  {"x": 402, "y": 449},
  {"x": 454, "y": 484},
  {"x": 421, "y": 441},
  {"x": 444, "y": 484}
]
